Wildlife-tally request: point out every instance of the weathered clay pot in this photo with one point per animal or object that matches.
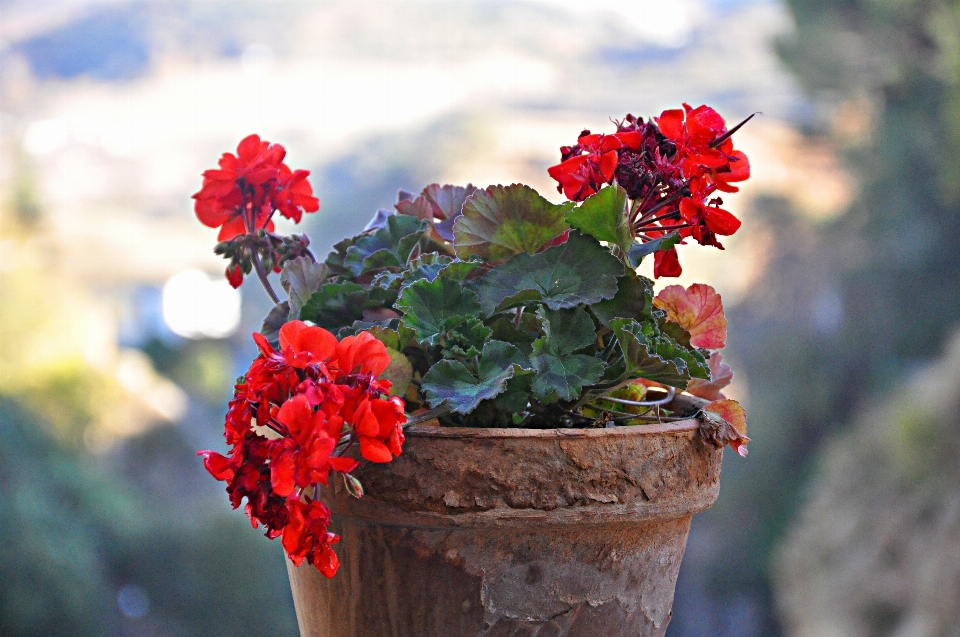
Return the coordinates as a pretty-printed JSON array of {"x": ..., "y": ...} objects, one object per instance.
[{"x": 510, "y": 532}]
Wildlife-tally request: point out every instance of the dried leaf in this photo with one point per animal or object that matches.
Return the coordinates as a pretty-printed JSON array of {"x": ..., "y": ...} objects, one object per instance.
[
  {"x": 699, "y": 310},
  {"x": 724, "y": 422}
]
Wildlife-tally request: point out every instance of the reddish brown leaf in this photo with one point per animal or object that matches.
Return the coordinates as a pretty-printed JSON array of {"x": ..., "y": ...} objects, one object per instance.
[
  {"x": 720, "y": 377},
  {"x": 699, "y": 310},
  {"x": 724, "y": 422}
]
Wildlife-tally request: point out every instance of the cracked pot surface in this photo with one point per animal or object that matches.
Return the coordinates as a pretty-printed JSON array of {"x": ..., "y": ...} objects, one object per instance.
[{"x": 510, "y": 532}]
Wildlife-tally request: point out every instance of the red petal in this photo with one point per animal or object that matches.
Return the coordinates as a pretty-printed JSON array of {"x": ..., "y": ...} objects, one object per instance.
[
  {"x": 366, "y": 422},
  {"x": 705, "y": 123},
  {"x": 725, "y": 187},
  {"x": 211, "y": 213},
  {"x": 343, "y": 465},
  {"x": 327, "y": 563},
  {"x": 293, "y": 533},
  {"x": 739, "y": 168},
  {"x": 282, "y": 473},
  {"x": 608, "y": 166},
  {"x": 232, "y": 228},
  {"x": 263, "y": 344},
  {"x": 248, "y": 147},
  {"x": 374, "y": 450},
  {"x": 671, "y": 124},
  {"x": 666, "y": 263},
  {"x": 709, "y": 157},
  {"x": 610, "y": 142},
  {"x": 298, "y": 337},
  {"x": 631, "y": 139},
  {"x": 217, "y": 465},
  {"x": 720, "y": 221},
  {"x": 363, "y": 352}
]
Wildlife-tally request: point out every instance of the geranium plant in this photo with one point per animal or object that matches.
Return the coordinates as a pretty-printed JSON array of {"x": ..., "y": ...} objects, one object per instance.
[{"x": 472, "y": 307}]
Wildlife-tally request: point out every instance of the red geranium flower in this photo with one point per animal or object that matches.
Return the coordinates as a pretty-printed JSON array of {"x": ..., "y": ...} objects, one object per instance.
[
  {"x": 698, "y": 134},
  {"x": 241, "y": 196},
  {"x": 294, "y": 194},
  {"x": 284, "y": 424},
  {"x": 305, "y": 536},
  {"x": 591, "y": 163}
]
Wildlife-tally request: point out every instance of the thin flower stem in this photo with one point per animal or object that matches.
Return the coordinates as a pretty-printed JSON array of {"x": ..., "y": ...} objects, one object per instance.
[
  {"x": 643, "y": 204},
  {"x": 635, "y": 207},
  {"x": 436, "y": 412},
  {"x": 663, "y": 203},
  {"x": 669, "y": 228},
  {"x": 262, "y": 275},
  {"x": 642, "y": 224},
  {"x": 270, "y": 425}
]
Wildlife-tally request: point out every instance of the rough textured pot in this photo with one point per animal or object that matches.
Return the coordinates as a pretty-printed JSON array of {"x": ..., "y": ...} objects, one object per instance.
[{"x": 510, "y": 532}]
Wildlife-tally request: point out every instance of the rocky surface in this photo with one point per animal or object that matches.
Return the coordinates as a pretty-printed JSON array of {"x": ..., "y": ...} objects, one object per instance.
[{"x": 876, "y": 550}]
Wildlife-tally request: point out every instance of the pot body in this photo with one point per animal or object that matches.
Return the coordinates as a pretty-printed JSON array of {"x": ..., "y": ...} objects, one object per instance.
[{"x": 513, "y": 532}]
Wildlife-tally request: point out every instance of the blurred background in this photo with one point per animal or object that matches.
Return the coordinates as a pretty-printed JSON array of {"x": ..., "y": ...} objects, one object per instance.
[{"x": 119, "y": 339}]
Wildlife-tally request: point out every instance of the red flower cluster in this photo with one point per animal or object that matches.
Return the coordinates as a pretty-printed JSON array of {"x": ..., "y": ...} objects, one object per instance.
[
  {"x": 591, "y": 162},
  {"x": 242, "y": 195},
  {"x": 669, "y": 168},
  {"x": 296, "y": 413}
]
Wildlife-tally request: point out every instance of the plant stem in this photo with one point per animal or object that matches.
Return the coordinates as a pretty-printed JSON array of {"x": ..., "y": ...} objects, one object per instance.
[
  {"x": 671, "y": 228},
  {"x": 683, "y": 192},
  {"x": 262, "y": 275}
]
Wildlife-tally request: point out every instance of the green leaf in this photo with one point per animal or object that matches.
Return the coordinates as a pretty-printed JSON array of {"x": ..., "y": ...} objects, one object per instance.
[
  {"x": 399, "y": 372},
  {"x": 634, "y": 300},
  {"x": 365, "y": 326},
  {"x": 502, "y": 221},
  {"x": 393, "y": 338},
  {"x": 561, "y": 373},
  {"x": 465, "y": 338},
  {"x": 498, "y": 354},
  {"x": 431, "y": 308},
  {"x": 671, "y": 329},
  {"x": 459, "y": 270},
  {"x": 568, "y": 330},
  {"x": 639, "y": 250},
  {"x": 301, "y": 277},
  {"x": 452, "y": 382},
  {"x": 563, "y": 377},
  {"x": 656, "y": 356},
  {"x": 577, "y": 271},
  {"x": 516, "y": 397},
  {"x": 426, "y": 266},
  {"x": 335, "y": 305},
  {"x": 603, "y": 217},
  {"x": 390, "y": 246},
  {"x": 504, "y": 330}
]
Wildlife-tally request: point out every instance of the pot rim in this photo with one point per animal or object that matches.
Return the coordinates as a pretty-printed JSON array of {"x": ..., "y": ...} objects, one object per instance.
[{"x": 434, "y": 431}]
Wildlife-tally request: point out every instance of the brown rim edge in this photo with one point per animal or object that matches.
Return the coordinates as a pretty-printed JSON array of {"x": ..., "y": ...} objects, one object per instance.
[
  {"x": 591, "y": 515},
  {"x": 678, "y": 427}
]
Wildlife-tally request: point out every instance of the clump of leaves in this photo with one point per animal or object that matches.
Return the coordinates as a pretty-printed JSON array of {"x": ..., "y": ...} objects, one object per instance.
[{"x": 502, "y": 309}]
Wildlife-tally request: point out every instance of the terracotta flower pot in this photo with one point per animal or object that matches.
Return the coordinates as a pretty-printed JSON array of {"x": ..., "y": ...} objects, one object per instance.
[{"x": 509, "y": 532}]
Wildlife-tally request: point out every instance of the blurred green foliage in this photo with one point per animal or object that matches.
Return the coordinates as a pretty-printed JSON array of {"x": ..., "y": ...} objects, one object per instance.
[
  {"x": 849, "y": 307},
  {"x": 75, "y": 532},
  {"x": 135, "y": 538}
]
